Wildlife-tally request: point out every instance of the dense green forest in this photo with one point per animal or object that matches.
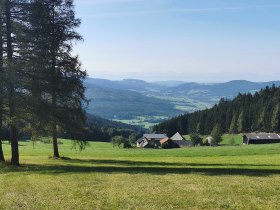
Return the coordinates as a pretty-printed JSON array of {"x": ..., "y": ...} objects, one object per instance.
[{"x": 245, "y": 113}]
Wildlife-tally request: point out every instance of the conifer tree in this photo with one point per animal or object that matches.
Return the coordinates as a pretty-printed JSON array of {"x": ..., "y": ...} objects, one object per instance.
[
  {"x": 63, "y": 91},
  {"x": 240, "y": 122},
  {"x": 43, "y": 82},
  {"x": 275, "y": 119},
  {"x": 216, "y": 134},
  {"x": 233, "y": 127},
  {"x": 261, "y": 119},
  {"x": 11, "y": 79}
]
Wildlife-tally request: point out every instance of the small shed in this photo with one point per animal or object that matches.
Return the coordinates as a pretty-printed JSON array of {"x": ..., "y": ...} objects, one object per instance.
[
  {"x": 209, "y": 140},
  {"x": 261, "y": 138}
]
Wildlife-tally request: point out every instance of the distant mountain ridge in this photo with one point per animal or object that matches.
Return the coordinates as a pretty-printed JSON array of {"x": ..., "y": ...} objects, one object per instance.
[
  {"x": 126, "y": 84},
  {"x": 231, "y": 87},
  {"x": 133, "y": 99},
  {"x": 141, "y": 85},
  {"x": 221, "y": 90}
]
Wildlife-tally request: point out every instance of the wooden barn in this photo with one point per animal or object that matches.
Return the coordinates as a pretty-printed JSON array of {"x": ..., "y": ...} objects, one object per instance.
[
  {"x": 261, "y": 138},
  {"x": 180, "y": 140}
]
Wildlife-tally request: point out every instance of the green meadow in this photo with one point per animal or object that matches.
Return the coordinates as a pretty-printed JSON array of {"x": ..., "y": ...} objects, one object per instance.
[{"x": 104, "y": 177}]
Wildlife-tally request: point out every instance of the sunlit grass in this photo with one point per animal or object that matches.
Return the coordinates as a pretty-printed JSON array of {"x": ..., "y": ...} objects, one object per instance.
[{"x": 103, "y": 177}]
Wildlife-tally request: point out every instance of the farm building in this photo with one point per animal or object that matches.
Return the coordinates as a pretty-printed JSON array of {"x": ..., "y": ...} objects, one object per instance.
[
  {"x": 162, "y": 141},
  {"x": 150, "y": 140},
  {"x": 156, "y": 140},
  {"x": 261, "y": 138},
  {"x": 209, "y": 140},
  {"x": 180, "y": 140},
  {"x": 142, "y": 142},
  {"x": 177, "y": 137},
  {"x": 168, "y": 143}
]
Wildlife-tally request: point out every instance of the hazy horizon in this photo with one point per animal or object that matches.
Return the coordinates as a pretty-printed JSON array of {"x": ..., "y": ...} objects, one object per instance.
[
  {"x": 185, "y": 81},
  {"x": 194, "y": 40}
]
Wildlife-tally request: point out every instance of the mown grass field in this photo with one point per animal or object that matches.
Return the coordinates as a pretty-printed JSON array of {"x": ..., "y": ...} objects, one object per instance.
[{"x": 103, "y": 177}]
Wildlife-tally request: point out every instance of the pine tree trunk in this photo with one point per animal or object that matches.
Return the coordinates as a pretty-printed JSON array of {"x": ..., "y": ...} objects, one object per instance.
[
  {"x": 54, "y": 138},
  {"x": 54, "y": 129},
  {"x": 2, "y": 158},
  {"x": 54, "y": 101},
  {"x": 11, "y": 89}
]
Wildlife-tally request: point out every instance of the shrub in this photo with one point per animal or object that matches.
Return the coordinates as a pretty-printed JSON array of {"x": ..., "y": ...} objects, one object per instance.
[
  {"x": 196, "y": 139},
  {"x": 117, "y": 141},
  {"x": 120, "y": 140},
  {"x": 216, "y": 134},
  {"x": 132, "y": 139},
  {"x": 232, "y": 141}
]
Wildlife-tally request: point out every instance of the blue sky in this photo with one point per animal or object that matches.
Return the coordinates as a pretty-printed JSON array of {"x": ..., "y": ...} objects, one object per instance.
[{"x": 190, "y": 40}]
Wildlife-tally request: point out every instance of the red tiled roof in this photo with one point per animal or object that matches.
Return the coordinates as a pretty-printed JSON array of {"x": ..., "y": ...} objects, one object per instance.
[{"x": 162, "y": 141}]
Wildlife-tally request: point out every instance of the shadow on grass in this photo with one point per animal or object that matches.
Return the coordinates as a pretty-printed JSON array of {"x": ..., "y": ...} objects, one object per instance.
[
  {"x": 137, "y": 167},
  {"x": 153, "y": 163}
]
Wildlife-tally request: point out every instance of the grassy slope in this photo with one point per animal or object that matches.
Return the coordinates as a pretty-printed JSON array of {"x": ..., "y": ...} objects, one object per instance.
[
  {"x": 238, "y": 139},
  {"x": 102, "y": 177}
]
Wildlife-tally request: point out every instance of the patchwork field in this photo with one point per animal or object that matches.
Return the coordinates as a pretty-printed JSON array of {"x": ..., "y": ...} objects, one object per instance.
[{"x": 103, "y": 177}]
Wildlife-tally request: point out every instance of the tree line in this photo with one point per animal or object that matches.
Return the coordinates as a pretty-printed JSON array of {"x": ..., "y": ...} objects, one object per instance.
[
  {"x": 41, "y": 82},
  {"x": 257, "y": 112}
]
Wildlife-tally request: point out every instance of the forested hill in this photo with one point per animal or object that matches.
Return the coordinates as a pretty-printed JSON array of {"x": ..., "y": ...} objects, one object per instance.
[
  {"x": 102, "y": 122},
  {"x": 245, "y": 113},
  {"x": 100, "y": 129}
]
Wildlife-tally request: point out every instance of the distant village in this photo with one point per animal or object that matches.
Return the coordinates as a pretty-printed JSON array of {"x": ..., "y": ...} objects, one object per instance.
[{"x": 178, "y": 141}]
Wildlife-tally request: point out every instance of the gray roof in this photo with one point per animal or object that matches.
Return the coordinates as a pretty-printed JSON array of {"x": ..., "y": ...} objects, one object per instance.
[
  {"x": 139, "y": 140},
  {"x": 262, "y": 136},
  {"x": 177, "y": 137},
  {"x": 182, "y": 143},
  {"x": 154, "y": 136}
]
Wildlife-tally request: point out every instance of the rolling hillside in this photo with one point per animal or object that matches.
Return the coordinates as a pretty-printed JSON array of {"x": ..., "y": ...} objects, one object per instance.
[{"x": 114, "y": 103}]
